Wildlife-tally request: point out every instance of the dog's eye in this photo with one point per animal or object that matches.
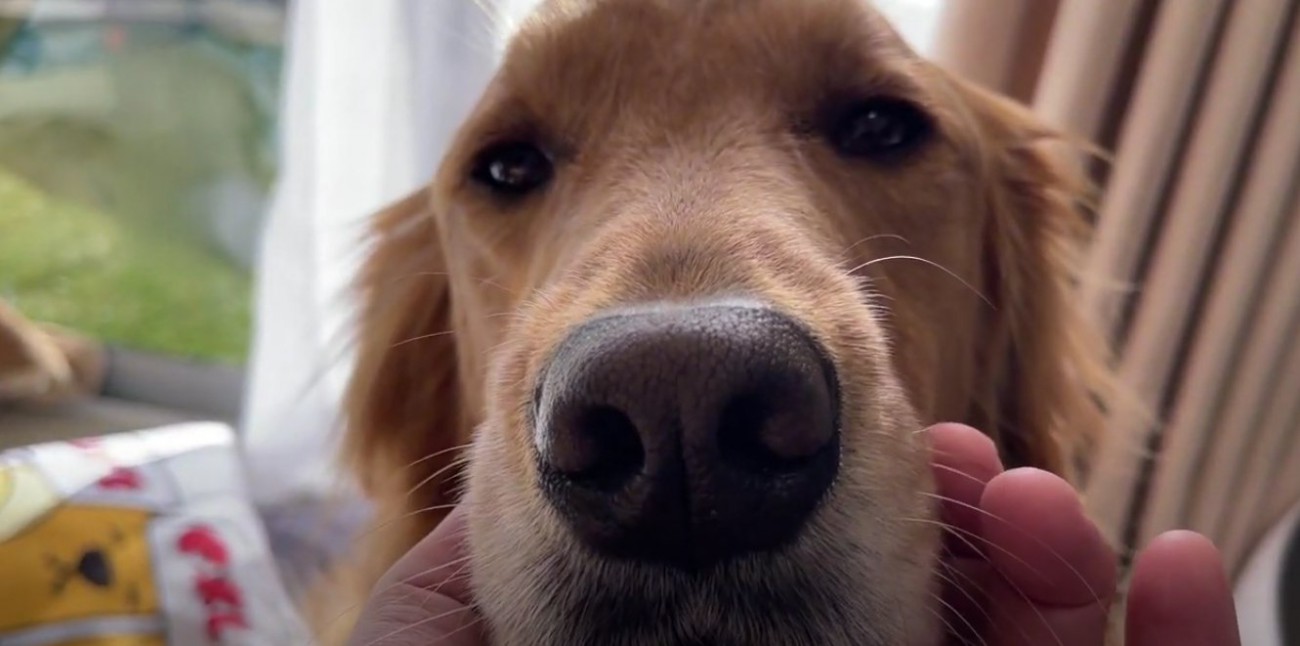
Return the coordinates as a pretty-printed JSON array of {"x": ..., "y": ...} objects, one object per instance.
[
  {"x": 878, "y": 128},
  {"x": 512, "y": 169}
]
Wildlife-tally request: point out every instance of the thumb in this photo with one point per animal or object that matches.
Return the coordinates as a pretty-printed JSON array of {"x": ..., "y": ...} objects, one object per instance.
[{"x": 425, "y": 597}]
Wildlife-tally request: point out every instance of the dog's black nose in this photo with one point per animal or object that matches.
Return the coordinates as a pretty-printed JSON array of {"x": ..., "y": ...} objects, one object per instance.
[{"x": 686, "y": 435}]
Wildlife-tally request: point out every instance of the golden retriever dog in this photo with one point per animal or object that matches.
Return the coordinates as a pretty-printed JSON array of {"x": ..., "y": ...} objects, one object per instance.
[{"x": 671, "y": 317}]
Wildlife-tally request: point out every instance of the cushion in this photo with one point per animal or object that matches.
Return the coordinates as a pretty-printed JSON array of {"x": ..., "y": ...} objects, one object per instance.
[{"x": 142, "y": 538}]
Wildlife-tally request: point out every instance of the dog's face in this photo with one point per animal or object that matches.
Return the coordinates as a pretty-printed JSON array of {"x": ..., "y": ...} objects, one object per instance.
[{"x": 696, "y": 273}]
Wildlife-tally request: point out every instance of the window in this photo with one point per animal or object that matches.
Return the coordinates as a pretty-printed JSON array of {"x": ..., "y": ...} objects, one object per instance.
[
  {"x": 136, "y": 159},
  {"x": 916, "y": 20}
]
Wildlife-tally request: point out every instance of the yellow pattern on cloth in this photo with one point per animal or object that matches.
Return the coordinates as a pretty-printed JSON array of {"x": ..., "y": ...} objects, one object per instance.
[
  {"x": 73, "y": 562},
  {"x": 143, "y": 539}
]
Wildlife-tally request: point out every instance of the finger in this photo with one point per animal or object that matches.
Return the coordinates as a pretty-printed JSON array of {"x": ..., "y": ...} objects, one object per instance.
[
  {"x": 1180, "y": 594},
  {"x": 425, "y": 597},
  {"x": 1057, "y": 575},
  {"x": 439, "y": 561},
  {"x": 964, "y": 460}
]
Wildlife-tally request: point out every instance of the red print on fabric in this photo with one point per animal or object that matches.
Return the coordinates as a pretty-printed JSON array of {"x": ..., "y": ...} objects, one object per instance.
[
  {"x": 214, "y": 590},
  {"x": 204, "y": 543},
  {"x": 121, "y": 479},
  {"x": 221, "y": 597},
  {"x": 219, "y": 623}
]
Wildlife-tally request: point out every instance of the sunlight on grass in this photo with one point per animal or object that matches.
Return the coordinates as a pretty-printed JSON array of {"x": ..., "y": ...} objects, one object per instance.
[
  {"x": 67, "y": 264},
  {"x": 131, "y": 185}
]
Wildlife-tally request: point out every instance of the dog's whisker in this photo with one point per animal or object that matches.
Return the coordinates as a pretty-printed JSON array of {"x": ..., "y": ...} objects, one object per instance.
[
  {"x": 460, "y": 573},
  {"x": 347, "y": 611},
  {"x": 946, "y": 572},
  {"x": 461, "y": 563},
  {"x": 422, "y": 337},
  {"x": 493, "y": 283},
  {"x": 966, "y": 538},
  {"x": 975, "y": 603},
  {"x": 955, "y": 571},
  {"x": 872, "y": 238},
  {"x": 456, "y": 462},
  {"x": 930, "y": 263},
  {"x": 965, "y": 622},
  {"x": 959, "y": 472},
  {"x": 478, "y": 619},
  {"x": 1055, "y": 554},
  {"x": 947, "y": 625},
  {"x": 416, "y": 624},
  {"x": 450, "y": 449},
  {"x": 386, "y": 524},
  {"x": 409, "y": 580}
]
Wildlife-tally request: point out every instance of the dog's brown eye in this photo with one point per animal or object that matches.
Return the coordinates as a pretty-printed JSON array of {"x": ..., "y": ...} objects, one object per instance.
[
  {"x": 878, "y": 128},
  {"x": 512, "y": 169}
]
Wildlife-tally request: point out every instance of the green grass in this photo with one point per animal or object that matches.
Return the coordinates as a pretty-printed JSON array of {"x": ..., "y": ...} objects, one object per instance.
[
  {"x": 100, "y": 226},
  {"x": 68, "y": 264}
]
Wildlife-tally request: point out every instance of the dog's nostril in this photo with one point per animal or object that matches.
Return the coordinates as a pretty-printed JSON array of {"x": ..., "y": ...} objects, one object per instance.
[
  {"x": 602, "y": 449},
  {"x": 774, "y": 430},
  {"x": 740, "y": 434}
]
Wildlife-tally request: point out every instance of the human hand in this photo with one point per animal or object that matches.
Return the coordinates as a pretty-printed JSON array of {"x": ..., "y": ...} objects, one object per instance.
[
  {"x": 1033, "y": 569},
  {"x": 1030, "y": 568},
  {"x": 425, "y": 597}
]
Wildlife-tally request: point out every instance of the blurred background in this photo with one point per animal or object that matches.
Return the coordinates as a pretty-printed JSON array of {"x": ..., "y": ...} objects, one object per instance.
[
  {"x": 137, "y": 159},
  {"x": 182, "y": 184},
  {"x": 137, "y": 146}
]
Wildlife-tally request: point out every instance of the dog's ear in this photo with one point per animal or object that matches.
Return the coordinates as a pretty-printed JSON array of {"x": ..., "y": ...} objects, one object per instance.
[
  {"x": 403, "y": 408},
  {"x": 1046, "y": 370}
]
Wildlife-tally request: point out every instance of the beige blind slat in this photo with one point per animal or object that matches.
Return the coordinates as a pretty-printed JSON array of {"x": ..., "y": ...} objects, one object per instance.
[
  {"x": 1081, "y": 66},
  {"x": 1214, "y": 485},
  {"x": 1162, "y": 104},
  {"x": 1200, "y": 201},
  {"x": 1256, "y": 223},
  {"x": 978, "y": 40},
  {"x": 1217, "y": 144},
  {"x": 996, "y": 43},
  {"x": 1245, "y": 521},
  {"x": 1283, "y": 495}
]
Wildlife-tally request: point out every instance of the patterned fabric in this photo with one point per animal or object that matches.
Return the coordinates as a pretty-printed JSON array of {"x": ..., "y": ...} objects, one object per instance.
[{"x": 143, "y": 538}]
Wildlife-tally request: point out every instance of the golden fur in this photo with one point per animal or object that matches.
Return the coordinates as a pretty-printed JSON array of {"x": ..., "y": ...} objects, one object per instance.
[
  {"x": 940, "y": 284},
  {"x": 43, "y": 364}
]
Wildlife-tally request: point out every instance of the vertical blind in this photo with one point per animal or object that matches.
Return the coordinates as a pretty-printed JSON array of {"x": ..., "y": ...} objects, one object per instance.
[{"x": 1194, "y": 271}]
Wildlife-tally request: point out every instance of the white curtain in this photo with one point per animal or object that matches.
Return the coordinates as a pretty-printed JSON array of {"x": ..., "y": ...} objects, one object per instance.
[{"x": 372, "y": 92}]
